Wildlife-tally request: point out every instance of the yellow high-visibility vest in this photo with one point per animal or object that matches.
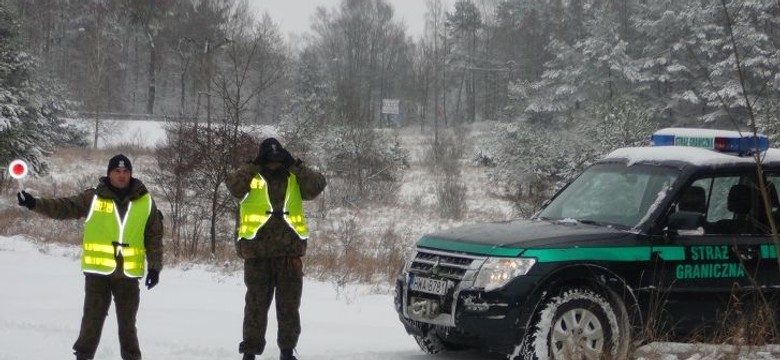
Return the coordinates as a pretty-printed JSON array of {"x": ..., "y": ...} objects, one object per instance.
[
  {"x": 256, "y": 208},
  {"x": 106, "y": 236}
]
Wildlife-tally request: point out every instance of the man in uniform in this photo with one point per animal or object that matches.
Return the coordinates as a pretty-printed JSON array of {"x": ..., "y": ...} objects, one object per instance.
[
  {"x": 122, "y": 229},
  {"x": 272, "y": 237}
]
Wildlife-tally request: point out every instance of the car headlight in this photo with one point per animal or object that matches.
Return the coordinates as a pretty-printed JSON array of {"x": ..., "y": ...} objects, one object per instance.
[{"x": 497, "y": 272}]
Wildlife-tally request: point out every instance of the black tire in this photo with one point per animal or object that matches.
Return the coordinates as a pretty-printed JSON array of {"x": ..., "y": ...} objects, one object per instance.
[
  {"x": 430, "y": 343},
  {"x": 577, "y": 324}
]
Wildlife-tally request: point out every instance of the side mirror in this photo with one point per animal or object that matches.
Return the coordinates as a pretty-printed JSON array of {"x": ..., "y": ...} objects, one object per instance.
[{"x": 685, "y": 220}]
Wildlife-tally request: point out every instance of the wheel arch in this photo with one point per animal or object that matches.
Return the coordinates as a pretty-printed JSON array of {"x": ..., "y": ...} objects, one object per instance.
[{"x": 594, "y": 276}]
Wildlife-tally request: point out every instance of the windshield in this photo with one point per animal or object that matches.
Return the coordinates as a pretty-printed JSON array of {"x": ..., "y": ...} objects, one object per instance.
[{"x": 611, "y": 194}]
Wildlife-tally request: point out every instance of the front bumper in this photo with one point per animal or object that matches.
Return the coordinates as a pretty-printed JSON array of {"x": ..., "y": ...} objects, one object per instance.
[{"x": 463, "y": 314}]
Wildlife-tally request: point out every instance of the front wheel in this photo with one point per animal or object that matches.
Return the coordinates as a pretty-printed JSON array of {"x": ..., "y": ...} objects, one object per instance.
[
  {"x": 577, "y": 324},
  {"x": 431, "y": 343}
]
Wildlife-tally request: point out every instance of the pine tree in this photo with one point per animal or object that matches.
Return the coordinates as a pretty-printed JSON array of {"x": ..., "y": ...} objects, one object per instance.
[
  {"x": 594, "y": 69},
  {"x": 465, "y": 23},
  {"x": 30, "y": 112},
  {"x": 689, "y": 66},
  {"x": 753, "y": 25}
]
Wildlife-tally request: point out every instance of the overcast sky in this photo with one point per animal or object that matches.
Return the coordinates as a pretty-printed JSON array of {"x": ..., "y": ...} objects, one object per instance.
[{"x": 295, "y": 15}]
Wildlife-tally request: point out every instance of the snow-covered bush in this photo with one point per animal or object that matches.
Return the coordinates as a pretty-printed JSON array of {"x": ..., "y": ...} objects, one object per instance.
[
  {"x": 442, "y": 159},
  {"x": 365, "y": 165},
  {"x": 535, "y": 161}
]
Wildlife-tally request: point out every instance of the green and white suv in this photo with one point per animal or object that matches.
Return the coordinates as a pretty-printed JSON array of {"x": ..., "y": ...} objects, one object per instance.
[{"x": 659, "y": 238}]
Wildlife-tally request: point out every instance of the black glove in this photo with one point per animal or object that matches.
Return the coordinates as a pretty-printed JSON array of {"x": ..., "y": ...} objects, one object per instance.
[
  {"x": 152, "y": 278},
  {"x": 287, "y": 160},
  {"x": 25, "y": 199}
]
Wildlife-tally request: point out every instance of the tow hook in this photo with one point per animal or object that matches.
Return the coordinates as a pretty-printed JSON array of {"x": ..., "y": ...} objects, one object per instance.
[{"x": 424, "y": 308}]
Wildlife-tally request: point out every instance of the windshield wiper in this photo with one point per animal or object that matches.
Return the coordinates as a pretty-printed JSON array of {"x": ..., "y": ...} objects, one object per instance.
[
  {"x": 582, "y": 221},
  {"x": 591, "y": 222},
  {"x": 601, "y": 223}
]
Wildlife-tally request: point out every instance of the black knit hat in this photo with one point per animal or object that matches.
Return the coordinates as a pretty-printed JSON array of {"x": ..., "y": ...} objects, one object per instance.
[
  {"x": 119, "y": 161},
  {"x": 270, "y": 151}
]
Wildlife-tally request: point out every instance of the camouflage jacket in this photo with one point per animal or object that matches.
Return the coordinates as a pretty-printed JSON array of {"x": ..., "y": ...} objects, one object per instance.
[
  {"x": 78, "y": 206},
  {"x": 275, "y": 238}
]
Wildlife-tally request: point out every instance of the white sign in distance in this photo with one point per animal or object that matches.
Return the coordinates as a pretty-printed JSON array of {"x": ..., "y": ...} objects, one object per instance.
[{"x": 390, "y": 106}]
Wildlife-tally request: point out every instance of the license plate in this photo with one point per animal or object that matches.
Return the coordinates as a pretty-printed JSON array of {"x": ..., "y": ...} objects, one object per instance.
[{"x": 426, "y": 285}]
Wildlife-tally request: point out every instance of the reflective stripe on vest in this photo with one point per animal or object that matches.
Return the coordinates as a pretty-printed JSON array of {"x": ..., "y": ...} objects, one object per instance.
[
  {"x": 256, "y": 208},
  {"x": 106, "y": 236}
]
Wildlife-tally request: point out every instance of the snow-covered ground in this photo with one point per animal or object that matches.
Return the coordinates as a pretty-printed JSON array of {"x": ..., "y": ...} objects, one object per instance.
[
  {"x": 142, "y": 133},
  {"x": 192, "y": 314},
  {"x": 196, "y": 313}
]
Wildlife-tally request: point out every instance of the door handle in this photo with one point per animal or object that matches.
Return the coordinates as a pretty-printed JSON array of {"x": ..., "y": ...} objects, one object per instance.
[{"x": 746, "y": 253}]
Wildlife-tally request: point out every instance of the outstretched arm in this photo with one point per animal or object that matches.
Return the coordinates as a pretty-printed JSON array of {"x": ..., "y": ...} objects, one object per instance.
[{"x": 73, "y": 207}]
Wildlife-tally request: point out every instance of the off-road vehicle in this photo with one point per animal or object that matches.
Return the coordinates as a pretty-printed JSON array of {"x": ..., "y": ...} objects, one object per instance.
[{"x": 662, "y": 237}]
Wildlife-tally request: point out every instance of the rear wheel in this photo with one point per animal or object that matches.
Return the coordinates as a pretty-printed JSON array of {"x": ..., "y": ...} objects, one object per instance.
[{"x": 578, "y": 324}]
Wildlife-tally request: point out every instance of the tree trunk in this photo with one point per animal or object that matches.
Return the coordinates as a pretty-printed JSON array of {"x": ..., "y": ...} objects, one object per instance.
[
  {"x": 181, "y": 85},
  {"x": 98, "y": 73},
  {"x": 473, "y": 82},
  {"x": 136, "y": 70},
  {"x": 151, "y": 72},
  {"x": 213, "y": 230},
  {"x": 444, "y": 81}
]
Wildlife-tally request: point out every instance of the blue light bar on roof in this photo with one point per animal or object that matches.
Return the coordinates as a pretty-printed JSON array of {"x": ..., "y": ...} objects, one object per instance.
[{"x": 719, "y": 140}]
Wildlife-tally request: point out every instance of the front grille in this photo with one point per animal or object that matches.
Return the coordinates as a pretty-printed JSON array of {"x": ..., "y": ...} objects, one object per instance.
[
  {"x": 444, "y": 265},
  {"x": 458, "y": 270}
]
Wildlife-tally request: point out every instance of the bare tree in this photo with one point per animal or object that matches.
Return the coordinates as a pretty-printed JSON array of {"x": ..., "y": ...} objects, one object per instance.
[
  {"x": 254, "y": 61},
  {"x": 465, "y": 22},
  {"x": 151, "y": 17},
  {"x": 176, "y": 162},
  {"x": 100, "y": 42},
  {"x": 208, "y": 32},
  {"x": 364, "y": 50},
  {"x": 97, "y": 76},
  {"x": 425, "y": 81},
  {"x": 435, "y": 31}
]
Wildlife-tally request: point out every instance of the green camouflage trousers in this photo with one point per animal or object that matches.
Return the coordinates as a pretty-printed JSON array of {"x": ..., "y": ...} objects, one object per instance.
[
  {"x": 264, "y": 278},
  {"x": 98, "y": 290}
]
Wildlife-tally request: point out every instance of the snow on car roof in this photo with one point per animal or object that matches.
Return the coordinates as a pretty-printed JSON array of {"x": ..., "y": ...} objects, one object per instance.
[{"x": 691, "y": 155}]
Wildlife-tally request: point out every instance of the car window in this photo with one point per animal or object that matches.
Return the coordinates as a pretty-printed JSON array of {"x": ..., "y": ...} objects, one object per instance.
[
  {"x": 729, "y": 204},
  {"x": 611, "y": 194},
  {"x": 718, "y": 188},
  {"x": 773, "y": 183}
]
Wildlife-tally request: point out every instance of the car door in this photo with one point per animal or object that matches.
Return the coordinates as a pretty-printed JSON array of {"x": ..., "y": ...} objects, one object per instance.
[
  {"x": 700, "y": 271},
  {"x": 770, "y": 268}
]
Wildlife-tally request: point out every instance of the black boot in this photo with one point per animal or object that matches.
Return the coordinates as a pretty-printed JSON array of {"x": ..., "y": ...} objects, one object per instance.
[
  {"x": 248, "y": 357},
  {"x": 287, "y": 354}
]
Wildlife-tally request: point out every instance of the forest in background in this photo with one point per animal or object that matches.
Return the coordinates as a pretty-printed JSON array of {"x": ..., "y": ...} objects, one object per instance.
[
  {"x": 482, "y": 59},
  {"x": 557, "y": 83}
]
